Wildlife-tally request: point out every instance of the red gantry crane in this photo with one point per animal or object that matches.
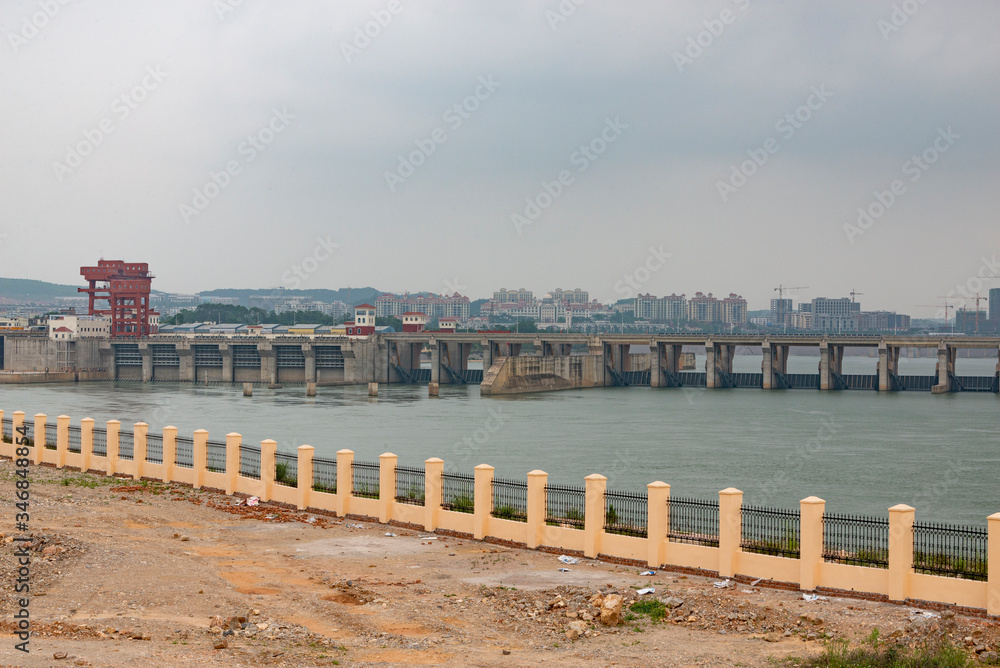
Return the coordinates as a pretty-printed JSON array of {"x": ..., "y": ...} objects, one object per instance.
[{"x": 125, "y": 287}]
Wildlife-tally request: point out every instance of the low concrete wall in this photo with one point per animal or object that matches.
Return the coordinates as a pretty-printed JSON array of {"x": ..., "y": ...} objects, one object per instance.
[
  {"x": 656, "y": 549},
  {"x": 30, "y": 377},
  {"x": 514, "y": 375}
]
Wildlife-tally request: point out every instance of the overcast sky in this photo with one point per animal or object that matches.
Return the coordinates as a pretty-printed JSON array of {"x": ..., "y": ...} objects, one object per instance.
[{"x": 349, "y": 159}]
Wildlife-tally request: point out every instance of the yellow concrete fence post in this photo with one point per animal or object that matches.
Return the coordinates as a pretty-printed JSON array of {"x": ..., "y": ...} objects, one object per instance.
[
  {"x": 200, "y": 458},
  {"x": 433, "y": 470},
  {"x": 304, "y": 471},
  {"x": 657, "y": 522},
  {"x": 993, "y": 577},
  {"x": 811, "y": 511},
  {"x": 39, "y": 437},
  {"x": 900, "y": 551},
  {"x": 730, "y": 530},
  {"x": 345, "y": 481},
  {"x": 114, "y": 441},
  {"x": 268, "y": 450},
  {"x": 86, "y": 443},
  {"x": 483, "y": 501},
  {"x": 233, "y": 443},
  {"x": 536, "y": 501},
  {"x": 62, "y": 440},
  {"x": 140, "y": 431},
  {"x": 386, "y": 486},
  {"x": 594, "y": 510},
  {"x": 17, "y": 422},
  {"x": 169, "y": 452}
]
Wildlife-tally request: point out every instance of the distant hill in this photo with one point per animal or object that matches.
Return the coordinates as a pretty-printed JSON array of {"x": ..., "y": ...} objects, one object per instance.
[
  {"x": 27, "y": 290},
  {"x": 350, "y": 296}
]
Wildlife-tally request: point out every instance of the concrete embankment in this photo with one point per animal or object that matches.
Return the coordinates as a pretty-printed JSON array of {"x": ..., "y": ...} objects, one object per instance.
[
  {"x": 32, "y": 377},
  {"x": 514, "y": 375}
]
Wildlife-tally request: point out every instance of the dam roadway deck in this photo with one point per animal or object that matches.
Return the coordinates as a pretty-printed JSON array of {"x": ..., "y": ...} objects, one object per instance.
[{"x": 557, "y": 360}]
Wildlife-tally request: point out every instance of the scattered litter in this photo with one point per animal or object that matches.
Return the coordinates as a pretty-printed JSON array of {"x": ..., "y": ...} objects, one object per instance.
[
  {"x": 564, "y": 570},
  {"x": 428, "y": 537},
  {"x": 747, "y": 591},
  {"x": 754, "y": 583},
  {"x": 647, "y": 590},
  {"x": 253, "y": 501},
  {"x": 568, "y": 560},
  {"x": 723, "y": 585},
  {"x": 813, "y": 597},
  {"x": 648, "y": 573},
  {"x": 925, "y": 613},
  {"x": 390, "y": 534},
  {"x": 311, "y": 520},
  {"x": 355, "y": 526}
]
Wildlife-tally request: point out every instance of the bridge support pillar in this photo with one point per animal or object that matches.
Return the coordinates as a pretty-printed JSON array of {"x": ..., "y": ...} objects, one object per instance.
[
  {"x": 513, "y": 349},
  {"x": 656, "y": 376},
  {"x": 147, "y": 362},
  {"x": 268, "y": 365},
  {"x": 435, "y": 361},
  {"x": 186, "y": 356},
  {"x": 825, "y": 378},
  {"x": 309, "y": 353},
  {"x": 711, "y": 370},
  {"x": 945, "y": 368},
  {"x": 888, "y": 364},
  {"x": 227, "y": 363},
  {"x": 775, "y": 362}
]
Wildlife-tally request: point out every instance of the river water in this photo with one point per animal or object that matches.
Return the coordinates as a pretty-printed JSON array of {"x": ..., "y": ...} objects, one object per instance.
[{"x": 862, "y": 451}]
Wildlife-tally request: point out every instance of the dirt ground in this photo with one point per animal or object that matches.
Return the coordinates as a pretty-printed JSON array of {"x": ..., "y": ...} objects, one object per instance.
[{"x": 162, "y": 575}]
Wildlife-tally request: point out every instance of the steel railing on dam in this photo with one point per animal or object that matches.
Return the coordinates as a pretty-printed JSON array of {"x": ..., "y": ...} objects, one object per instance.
[{"x": 893, "y": 556}]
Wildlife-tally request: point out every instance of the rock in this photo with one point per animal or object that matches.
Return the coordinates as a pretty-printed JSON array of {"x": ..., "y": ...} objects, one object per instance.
[
  {"x": 59, "y": 655},
  {"x": 52, "y": 550},
  {"x": 672, "y": 602},
  {"x": 572, "y": 634},
  {"x": 772, "y": 637},
  {"x": 597, "y": 600},
  {"x": 989, "y": 657},
  {"x": 586, "y": 616},
  {"x": 557, "y": 602},
  {"x": 611, "y": 610},
  {"x": 506, "y": 652},
  {"x": 221, "y": 644}
]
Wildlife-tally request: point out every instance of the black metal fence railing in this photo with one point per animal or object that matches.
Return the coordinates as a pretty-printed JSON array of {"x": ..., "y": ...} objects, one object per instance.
[
  {"x": 565, "y": 506},
  {"x": 286, "y": 469},
  {"x": 950, "y": 550},
  {"x": 126, "y": 445},
  {"x": 249, "y": 462},
  {"x": 410, "y": 485},
  {"x": 626, "y": 513},
  {"x": 29, "y": 432},
  {"x": 325, "y": 475},
  {"x": 100, "y": 442},
  {"x": 6, "y": 430},
  {"x": 73, "y": 444},
  {"x": 154, "y": 448},
  {"x": 771, "y": 531},
  {"x": 856, "y": 540},
  {"x": 365, "y": 480},
  {"x": 693, "y": 521},
  {"x": 458, "y": 492},
  {"x": 184, "y": 452},
  {"x": 216, "y": 456},
  {"x": 510, "y": 500}
]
